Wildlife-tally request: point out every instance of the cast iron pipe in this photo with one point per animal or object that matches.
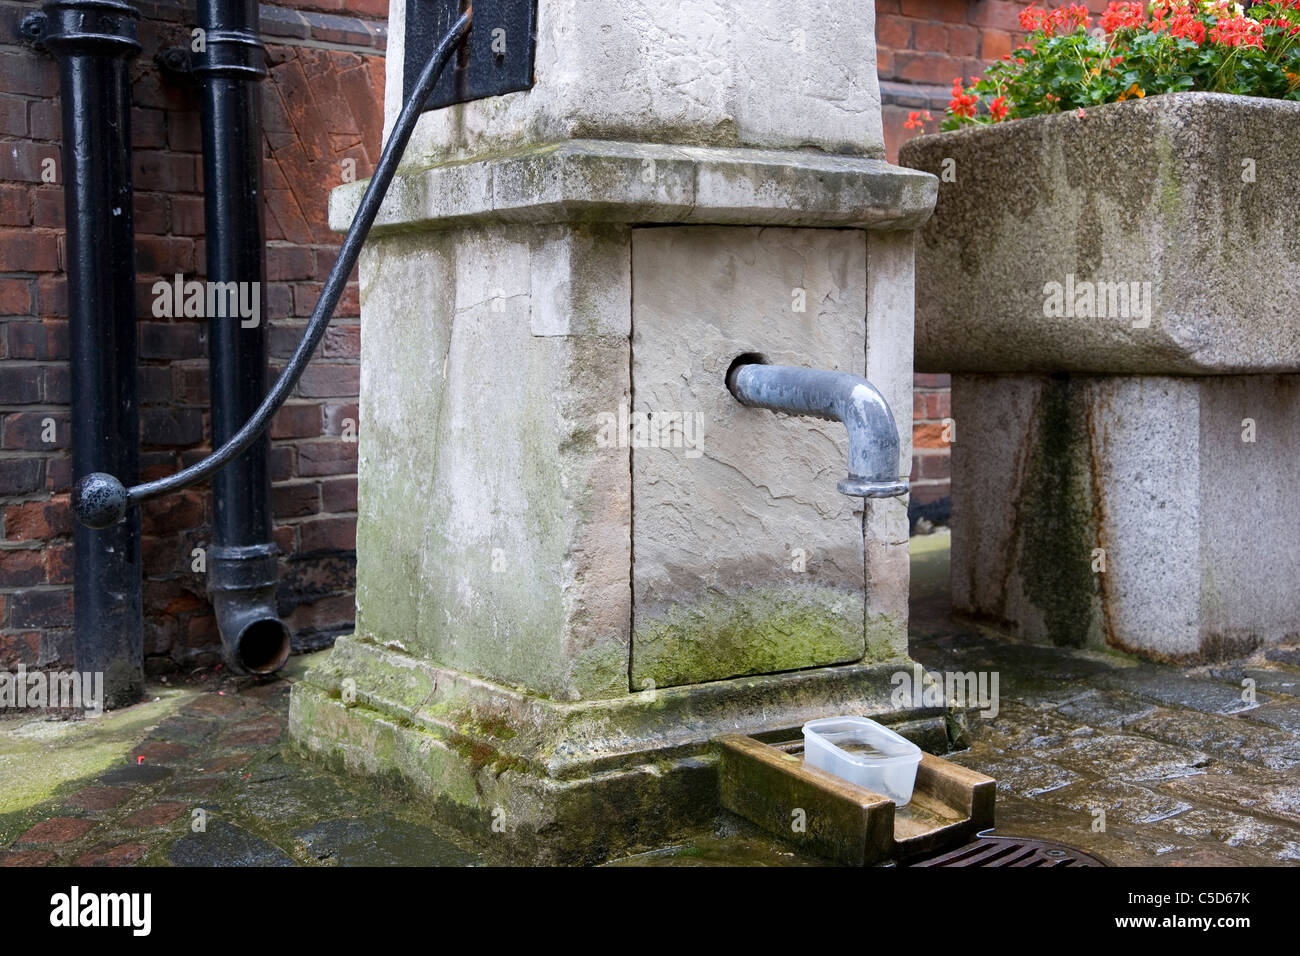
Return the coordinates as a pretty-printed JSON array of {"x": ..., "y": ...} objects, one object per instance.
[
  {"x": 837, "y": 396},
  {"x": 100, "y": 500},
  {"x": 93, "y": 42},
  {"x": 242, "y": 567}
]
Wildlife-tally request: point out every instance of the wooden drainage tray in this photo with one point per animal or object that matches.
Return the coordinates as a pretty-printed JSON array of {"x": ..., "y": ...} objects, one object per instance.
[{"x": 769, "y": 785}]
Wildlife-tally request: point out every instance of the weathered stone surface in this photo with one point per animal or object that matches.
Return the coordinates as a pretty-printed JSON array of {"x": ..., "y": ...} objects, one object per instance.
[
  {"x": 1237, "y": 830},
  {"x": 694, "y": 72},
  {"x": 1151, "y": 470},
  {"x": 492, "y": 531},
  {"x": 1105, "y": 709},
  {"x": 1253, "y": 745},
  {"x": 618, "y": 182},
  {"x": 1192, "y": 193},
  {"x": 1020, "y": 773}
]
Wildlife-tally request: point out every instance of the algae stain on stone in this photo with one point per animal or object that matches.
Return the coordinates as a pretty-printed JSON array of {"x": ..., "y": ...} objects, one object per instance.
[
  {"x": 1056, "y": 536},
  {"x": 39, "y": 758},
  {"x": 763, "y": 632}
]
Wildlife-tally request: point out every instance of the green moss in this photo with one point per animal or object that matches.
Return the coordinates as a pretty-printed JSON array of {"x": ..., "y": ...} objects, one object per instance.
[
  {"x": 762, "y": 632},
  {"x": 1056, "y": 533},
  {"x": 38, "y": 756},
  {"x": 1170, "y": 199}
]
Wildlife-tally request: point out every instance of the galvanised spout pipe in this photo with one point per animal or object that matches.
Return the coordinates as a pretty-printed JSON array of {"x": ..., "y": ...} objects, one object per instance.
[
  {"x": 100, "y": 500},
  {"x": 837, "y": 396},
  {"x": 93, "y": 42},
  {"x": 242, "y": 568}
]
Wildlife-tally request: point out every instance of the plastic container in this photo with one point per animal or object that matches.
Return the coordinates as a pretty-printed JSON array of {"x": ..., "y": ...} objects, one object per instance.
[{"x": 863, "y": 752}]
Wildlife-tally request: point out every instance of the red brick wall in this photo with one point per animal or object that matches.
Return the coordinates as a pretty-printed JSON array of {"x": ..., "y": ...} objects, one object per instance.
[{"x": 322, "y": 105}]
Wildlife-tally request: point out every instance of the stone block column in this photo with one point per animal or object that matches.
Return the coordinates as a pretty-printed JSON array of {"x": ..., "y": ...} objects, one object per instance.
[{"x": 580, "y": 559}]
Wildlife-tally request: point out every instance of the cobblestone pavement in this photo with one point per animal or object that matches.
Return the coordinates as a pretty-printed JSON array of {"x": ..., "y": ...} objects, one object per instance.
[
  {"x": 212, "y": 749},
  {"x": 1185, "y": 770}
]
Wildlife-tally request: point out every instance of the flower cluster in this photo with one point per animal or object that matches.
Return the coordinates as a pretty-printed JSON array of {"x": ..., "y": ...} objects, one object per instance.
[
  {"x": 1238, "y": 31},
  {"x": 1061, "y": 20},
  {"x": 1141, "y": 49}
]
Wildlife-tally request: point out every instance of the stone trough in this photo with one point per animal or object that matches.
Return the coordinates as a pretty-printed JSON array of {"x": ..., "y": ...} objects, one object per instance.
[{"x": 1115, "y": 296}]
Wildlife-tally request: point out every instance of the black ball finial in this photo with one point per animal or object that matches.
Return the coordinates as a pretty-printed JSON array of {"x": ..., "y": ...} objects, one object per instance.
[{"x": 99, "y": 500}]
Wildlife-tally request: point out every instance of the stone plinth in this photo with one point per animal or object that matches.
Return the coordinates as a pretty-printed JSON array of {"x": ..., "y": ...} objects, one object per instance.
[
  {"x": 1116, "y": 294},
  {"x": 580, "y": 559}
]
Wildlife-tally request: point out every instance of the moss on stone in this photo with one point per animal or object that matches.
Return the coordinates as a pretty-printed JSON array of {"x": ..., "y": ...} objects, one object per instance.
[
  {"x": 762, "y": 632},
  {"x": 1056, "y": 534}
]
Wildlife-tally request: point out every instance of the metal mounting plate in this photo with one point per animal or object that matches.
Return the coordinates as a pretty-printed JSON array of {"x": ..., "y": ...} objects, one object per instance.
[{"x": 496, "y": 57}]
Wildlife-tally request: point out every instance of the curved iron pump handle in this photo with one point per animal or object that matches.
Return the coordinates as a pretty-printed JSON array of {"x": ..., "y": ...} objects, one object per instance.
[{"x": 100, "y": 500}]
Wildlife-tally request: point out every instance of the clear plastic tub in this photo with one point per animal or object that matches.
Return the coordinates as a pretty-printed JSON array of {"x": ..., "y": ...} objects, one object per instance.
[{"x": 861, "y": 751}]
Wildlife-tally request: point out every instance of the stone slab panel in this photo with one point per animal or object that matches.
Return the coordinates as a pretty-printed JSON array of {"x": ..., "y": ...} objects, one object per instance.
[{"x": 723, "y": 523}]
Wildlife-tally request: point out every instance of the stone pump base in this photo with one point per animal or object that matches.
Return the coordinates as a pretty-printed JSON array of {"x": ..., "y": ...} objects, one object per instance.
[{"x": 556, "y": 782}]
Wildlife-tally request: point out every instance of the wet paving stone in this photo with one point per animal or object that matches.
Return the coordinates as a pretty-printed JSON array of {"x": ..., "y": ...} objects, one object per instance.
[
  {"x": 380, "y": 840},
  {"x": 58, "y": 830},
  {"x": 194, "y": 787},
  {"x": 100, "y": 798},
  {"x": 1171, "y": 687},
  {"x": 225, "y": 844},
  {"x": 1105, "y": 710},
  {"x": 1236, "y": 788},
  {"x": 1284, "y": 654},
  {"x": 1269, "y": 841},
  {"x": 1117, "y": 844},
  {"x": 1018, "y": 727},
  {"x": 158, "y": 815},
  {"x": 124, "y": 854},
  {"x": 253, "y": 733},
  {"x": 1283, "y": 716},
  {"x": 1121, "y": 803},
  {"x": 186, "y": 729},
  {"x": 1132, "y": 759},
  {"x": 1017, "y": 773},
  {"x": 135, "y": 774},
  {"x": 27, "y": 858},
  {"x": 1285, "y": 682},
  {"x": 1229, "y": 737},
  {"x": 219, "y": 705},
  {"x": 165, "y": 752},
  {"x": 225, "y": 763},
  {"x": 291, "y": 796}
]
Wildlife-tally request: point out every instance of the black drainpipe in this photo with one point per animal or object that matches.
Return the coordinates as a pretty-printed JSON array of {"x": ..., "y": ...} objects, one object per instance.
[
  {"x": 93, "y": 42},
  {"x": 242, "y": 560}
]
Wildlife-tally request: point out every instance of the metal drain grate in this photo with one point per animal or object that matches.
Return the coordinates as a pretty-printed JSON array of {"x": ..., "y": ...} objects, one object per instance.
[{"x": 1013, "y": 851}]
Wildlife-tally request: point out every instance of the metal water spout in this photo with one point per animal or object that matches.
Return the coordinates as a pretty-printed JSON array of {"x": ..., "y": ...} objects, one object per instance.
[{"x": 837, "y": 396}]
